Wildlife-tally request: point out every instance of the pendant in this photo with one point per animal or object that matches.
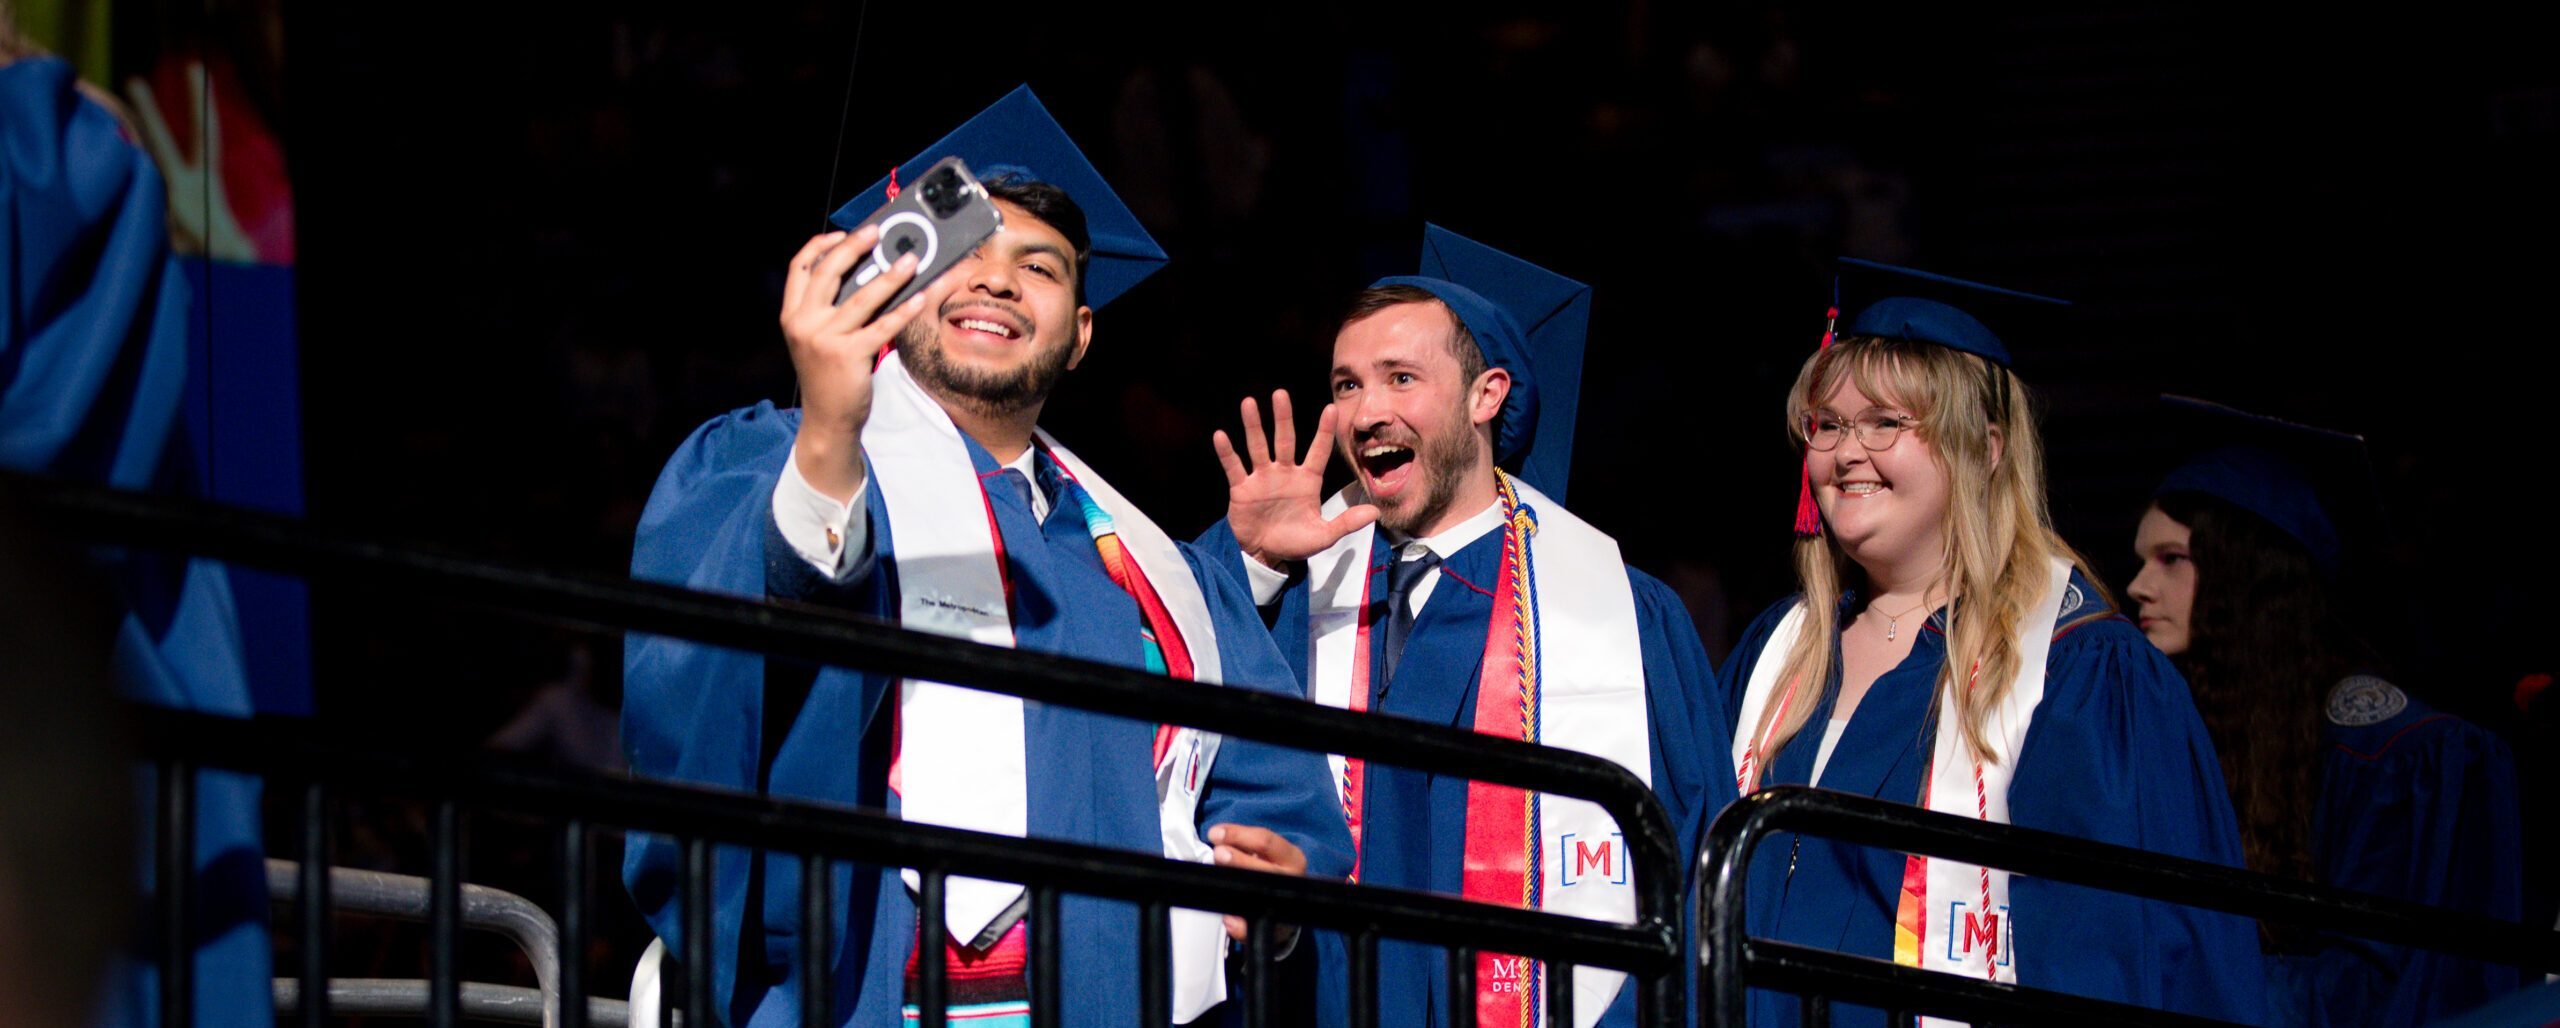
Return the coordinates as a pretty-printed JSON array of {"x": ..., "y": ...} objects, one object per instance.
[{"x": 1889, "y": 625}]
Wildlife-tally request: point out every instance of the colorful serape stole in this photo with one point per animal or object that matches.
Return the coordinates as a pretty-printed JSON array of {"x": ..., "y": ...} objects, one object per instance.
[
  {"x": 1166, "y": 653},
  {"x": 986, "y": 989},
  {"x": 1502, "y": 859}
]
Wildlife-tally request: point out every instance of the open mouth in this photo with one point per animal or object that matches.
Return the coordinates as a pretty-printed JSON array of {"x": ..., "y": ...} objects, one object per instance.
[
  {"x": 1860, "y": 490},
  {"x": 1384, "y": 464}
]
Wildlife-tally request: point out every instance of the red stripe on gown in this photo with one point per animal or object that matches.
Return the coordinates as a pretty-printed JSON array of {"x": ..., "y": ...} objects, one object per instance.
[
  {"x": 1354, "y": 770},
  {"x": 1497, "y": 865}
]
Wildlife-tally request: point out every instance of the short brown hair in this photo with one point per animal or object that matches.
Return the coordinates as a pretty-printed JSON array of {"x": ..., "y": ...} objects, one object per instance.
[{"x": 1462, "y": 343}]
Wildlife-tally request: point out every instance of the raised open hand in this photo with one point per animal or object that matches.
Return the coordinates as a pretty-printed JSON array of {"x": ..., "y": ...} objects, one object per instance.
[{"x": 1276, "y": 507}]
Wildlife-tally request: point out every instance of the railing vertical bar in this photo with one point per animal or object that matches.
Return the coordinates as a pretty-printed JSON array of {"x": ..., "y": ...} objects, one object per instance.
[
  {"x": 1155, "y": 981},
  {"x": 1723, "y": 945},
  {"x": 1257, "y": 972},
  {"x": 1364, "y": 978},
  {"x": 572, "y": 983},
  {"x": 177, "y": 869},
  {"x": 1462, "y": 988},
  {"x": 1559, "y": 980},
  {"x": 1047, "y": 987},
  {"x": 697, "y": 931},
  {"x": 312, "y": 917},
  {"x": 933, "y": 985},
  {"x": 444, "y": 918},
  {"x": 817, "y": 941},
  {"x": 1815, "y": 1011}
]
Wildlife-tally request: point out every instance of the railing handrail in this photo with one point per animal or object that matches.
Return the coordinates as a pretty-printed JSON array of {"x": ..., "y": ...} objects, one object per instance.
[
  {"x": 1734, "y": 836},
  {"x": 410, "y": 898},
  {"x": 827, "y": 636},
  {"x": 1649, "y": 949},
  {"x": 285, "y": 750}
]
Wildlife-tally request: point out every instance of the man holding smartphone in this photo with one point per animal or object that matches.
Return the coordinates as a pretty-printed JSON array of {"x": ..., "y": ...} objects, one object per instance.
[
  {"x": 917, "y": 486},
  {"x": 1449, "y": 584}
]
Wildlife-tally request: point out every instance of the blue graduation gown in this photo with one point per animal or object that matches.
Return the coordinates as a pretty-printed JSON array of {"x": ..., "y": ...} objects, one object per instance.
[
  {"x": 1414, "y": 822},
  {"x": 736, "y": 720},
  {"x": 2115, "y": 753},
  {"x": 93, "y": 365},
  {"x": 2420, "y": 806}
]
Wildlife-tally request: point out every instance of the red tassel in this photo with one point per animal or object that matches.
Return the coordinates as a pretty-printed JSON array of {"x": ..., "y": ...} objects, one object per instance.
[
  {"x": 893, "y": 183},
  {"x": 1808, "y": 515}
]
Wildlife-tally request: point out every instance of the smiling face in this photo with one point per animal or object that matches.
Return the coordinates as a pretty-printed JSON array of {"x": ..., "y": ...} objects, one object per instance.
[
  {"x": 1007, "y": 325},
  {"x": 1884, "y": 507},
  {"x": 1416, "y": 424},
  {"x": 2166, "y": 587}
]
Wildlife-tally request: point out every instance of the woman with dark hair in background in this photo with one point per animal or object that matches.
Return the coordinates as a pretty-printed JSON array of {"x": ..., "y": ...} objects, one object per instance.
[{"x": 2337, "y": 775}]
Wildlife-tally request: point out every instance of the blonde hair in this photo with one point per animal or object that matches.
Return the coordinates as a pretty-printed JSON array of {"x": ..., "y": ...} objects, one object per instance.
[{"x": 1999, "y": 535}]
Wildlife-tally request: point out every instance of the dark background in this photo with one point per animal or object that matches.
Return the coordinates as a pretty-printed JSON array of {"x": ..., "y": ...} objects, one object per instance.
[{"x": 538, "y": 248}]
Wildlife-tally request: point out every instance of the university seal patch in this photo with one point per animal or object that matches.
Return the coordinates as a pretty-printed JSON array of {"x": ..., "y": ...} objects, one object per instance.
[{"x": 2361, "y": 700}]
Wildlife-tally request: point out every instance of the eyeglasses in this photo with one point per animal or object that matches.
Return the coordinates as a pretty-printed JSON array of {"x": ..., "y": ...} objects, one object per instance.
[{"x": 1876, "y": 428}]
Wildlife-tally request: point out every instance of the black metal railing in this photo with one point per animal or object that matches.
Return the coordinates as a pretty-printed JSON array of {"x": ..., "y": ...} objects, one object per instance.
[
  {"x": 1742, "y": 962},
  {"x": 1649, "y": 950}
]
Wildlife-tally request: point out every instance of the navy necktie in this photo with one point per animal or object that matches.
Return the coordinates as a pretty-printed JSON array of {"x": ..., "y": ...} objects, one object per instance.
[
  {"x": 1010, "y": 484},
  {"x": 1402, "y": 577}
]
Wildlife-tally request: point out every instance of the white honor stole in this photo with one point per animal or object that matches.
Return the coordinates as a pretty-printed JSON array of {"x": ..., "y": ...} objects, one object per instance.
[
  {"x": 962, "y": 761},
  {"x": 1958, "y": 931},
  {"x": 1591, "y": 698}
]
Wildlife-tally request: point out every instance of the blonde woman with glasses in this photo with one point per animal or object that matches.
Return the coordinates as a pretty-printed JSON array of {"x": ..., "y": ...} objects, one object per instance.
[{"x": 1948, "y": 650}]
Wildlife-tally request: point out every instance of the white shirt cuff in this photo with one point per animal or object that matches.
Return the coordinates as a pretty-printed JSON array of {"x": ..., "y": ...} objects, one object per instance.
[
  {"x": 818, "y": 528},
  {"x": 1266, "y": 581}
]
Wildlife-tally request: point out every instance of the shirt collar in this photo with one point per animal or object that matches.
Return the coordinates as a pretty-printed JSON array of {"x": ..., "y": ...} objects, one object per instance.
[{"x": 1447, "y": 544}]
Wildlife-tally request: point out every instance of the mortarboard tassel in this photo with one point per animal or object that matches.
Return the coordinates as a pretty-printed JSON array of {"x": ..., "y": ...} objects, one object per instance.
[{"x": 1808, "y": 514}]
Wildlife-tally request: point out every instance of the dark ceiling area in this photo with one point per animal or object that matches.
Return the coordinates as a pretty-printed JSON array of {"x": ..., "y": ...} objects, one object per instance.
[{"x": 539, "y": 246}]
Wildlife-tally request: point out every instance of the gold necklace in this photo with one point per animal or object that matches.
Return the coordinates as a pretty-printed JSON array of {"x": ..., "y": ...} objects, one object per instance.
[{"x": 1892, "y": 621}]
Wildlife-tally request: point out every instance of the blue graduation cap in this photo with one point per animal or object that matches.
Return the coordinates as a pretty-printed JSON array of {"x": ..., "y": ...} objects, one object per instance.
[
  {"x": 1528, "y": 321},
  {"x": 1925, "y": 307},
  {"x": 2313, "y": 484},
  {"x": 1931, "y": 308},
  {"x": 1017, "y": 136}
]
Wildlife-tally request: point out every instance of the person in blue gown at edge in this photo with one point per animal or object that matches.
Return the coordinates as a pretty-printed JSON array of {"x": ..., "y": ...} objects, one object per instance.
[
  {"x": 1949, "y": 650},
  {"x": 93, "y": 364},
  {"x": 2250, "y": 551},
  {"x": 920, "y": 490},
  {"x": 1453, "y": 401}
]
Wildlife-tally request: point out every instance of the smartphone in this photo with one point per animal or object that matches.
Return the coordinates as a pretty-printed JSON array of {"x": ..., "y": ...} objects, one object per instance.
[{"x": 940, "y": 218}]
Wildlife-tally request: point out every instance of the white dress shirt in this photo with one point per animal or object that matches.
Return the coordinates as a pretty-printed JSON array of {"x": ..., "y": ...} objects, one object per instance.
[
  {"x": 1268, "y": 582},
  {"x": 822, "y": 530}
]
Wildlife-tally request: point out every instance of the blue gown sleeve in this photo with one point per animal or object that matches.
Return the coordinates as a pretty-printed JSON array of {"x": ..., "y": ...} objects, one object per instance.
[
  {"x": 695, "y": 713},
  {"x": 2422, "y": 808},
  {"x": 1692, "y": 750},
  {"x": 2118, "y": 754},
  {"x": 1692, "y": 760},
  {"x": 93, "y": 369},
  {"x": 1256, "y": 783}
]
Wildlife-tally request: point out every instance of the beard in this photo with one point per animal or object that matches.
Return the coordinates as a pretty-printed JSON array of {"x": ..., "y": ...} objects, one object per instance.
[
  {"x": 983, "y": 392},
  {"x": 1445, "y": 462}
]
